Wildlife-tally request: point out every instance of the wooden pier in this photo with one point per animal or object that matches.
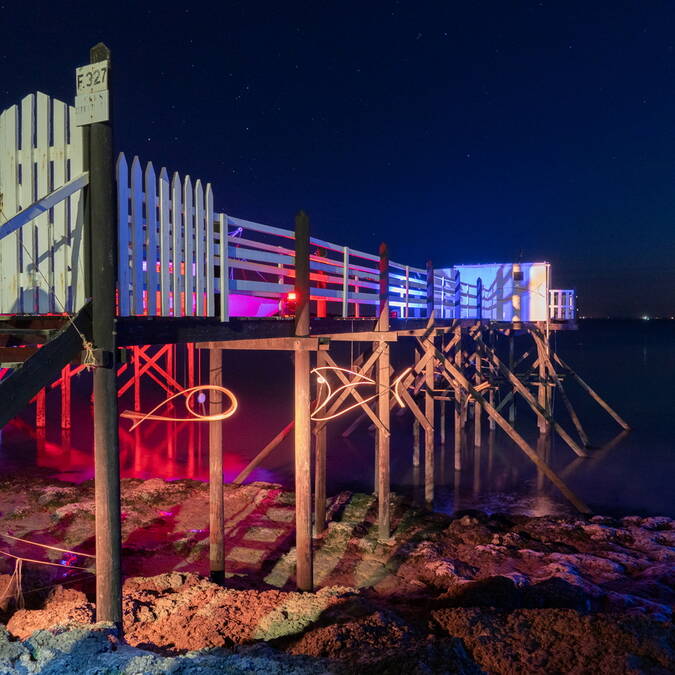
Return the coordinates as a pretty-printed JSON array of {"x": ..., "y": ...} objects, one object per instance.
[{"x": 111, "y": 273}]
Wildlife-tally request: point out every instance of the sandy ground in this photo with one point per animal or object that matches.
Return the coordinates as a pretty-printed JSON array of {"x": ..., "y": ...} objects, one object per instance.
[{"x": 470, "y": 593}]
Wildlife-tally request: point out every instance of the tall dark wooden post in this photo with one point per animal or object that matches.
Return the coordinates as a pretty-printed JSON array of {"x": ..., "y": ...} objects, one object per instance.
[
  {"x": 216, "y": 504},
  {"x": 458, "y": 400},
  {"x": 430, "y": 288},
  {"x": 429, "y": 441},
  {"x": 303, "y": 437},
  {"x": 320, "y": 434},
  {"x": 102, "y": 243},
  {"x": 383, "y": 410}
]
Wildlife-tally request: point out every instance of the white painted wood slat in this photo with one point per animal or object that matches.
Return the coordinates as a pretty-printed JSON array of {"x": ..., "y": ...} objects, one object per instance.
[
  {"x": 75, "y": 209},
  {"x": 123, "y": 236},
  {"x": 165, "y": 248},
  {"x": 27, "y": 252},
  {"x": 188, "y": 233},
  {"x": 200, "y": 248},
  {"x": 43, "y": 233},
  {"x": 60, "y": 224},
  {"x": 9, "y": 187},
  {"x": 137, "y": 239},
  {"x": 151, "y": 250},
  {"x": 210, "y": 251},
  {"x": 177, "y": 280}
]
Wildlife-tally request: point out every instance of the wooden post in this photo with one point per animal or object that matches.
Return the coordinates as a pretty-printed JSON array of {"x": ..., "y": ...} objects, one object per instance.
[
  {"x": 137, "y": 378},
  {"x": 453, "y": 375},
  {"x": 477, "y": 410},
  {"x": 542, "y": 387},
  {"x": 41, "y": 409},
  {"x": 458, "y": 401},
  {"x": 512, "y": 407},
  {"x": 101, "y": 231},
  {"x": 416, "y": 428},
  {"x": 320, "y": 467},
  {"x": 302, "y": 429},
  {"x": 430, "y": 288},
  {"x": 65, "y": 397},
  {"x": 216, "y": 504},
  {"x": 442, "y": 405},
  {"x": 383, "y": 409},
  {"x": 491, "y": 394},
  {"x": 190, "y": 348},
  {"x": 429, "y": 464}
]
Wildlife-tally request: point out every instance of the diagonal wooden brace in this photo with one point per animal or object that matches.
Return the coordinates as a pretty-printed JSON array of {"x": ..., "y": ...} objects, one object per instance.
[
  {"x": 533, "y": 403},
  {"x": 455, "y": 377}
]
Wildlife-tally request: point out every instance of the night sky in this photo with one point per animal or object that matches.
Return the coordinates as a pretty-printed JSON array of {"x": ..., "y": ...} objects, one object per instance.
[{"x": 457, "y": 131}]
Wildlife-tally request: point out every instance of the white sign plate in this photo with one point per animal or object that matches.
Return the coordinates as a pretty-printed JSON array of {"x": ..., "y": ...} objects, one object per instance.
[
  {"x": 92, "y": 108},
  {"x": 92, "y": 78}
]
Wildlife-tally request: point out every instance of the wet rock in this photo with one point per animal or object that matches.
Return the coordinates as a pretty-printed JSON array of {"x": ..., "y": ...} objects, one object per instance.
[
  {"x": 561, "y": 641},
  {"x": 64, "y": 607},
  {"x": 382, "y": 642},
  {"x": 97, "y": 649},
  {"x": 178, "y": 612}
]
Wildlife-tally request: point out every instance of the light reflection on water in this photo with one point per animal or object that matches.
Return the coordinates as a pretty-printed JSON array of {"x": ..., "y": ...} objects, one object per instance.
[{"x": 626, "y": 472}]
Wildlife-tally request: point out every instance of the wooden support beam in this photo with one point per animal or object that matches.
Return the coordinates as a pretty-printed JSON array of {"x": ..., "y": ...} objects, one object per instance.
[
  {"x": 102, "y": 245},
  {"x": 523, "y": 391},
  {"x": 477, "y": 417},
  {"x": 542, "y": 386},
  {"x": 429, "y": 463},
  {"x": 512, "y": 407},
  {"x": 453, "y": 374},
  {"x": 41, "y": 369},
  {"x": 41, "y": 409},
  {"x": 216, "y": 503},
  {"x": 320, "y": 433},
  {"x": 312, "y": 344},
  {"x": 416, "y": 424},
  {"x": 546, "y": 359},
  {"x": 458, "y": 401},
  {"x": 302, "y": 428},
  {"x": 383, "y": 432},
  {"x": 594, "y": 395},
  {"x": 353, "y": 391},
  {"x": 65, "y": 396}
]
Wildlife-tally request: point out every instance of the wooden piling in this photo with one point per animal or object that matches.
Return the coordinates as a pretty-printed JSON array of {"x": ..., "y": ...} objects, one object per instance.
[
  {"x": 320, "y": 468},
  {"x": 512, "y": 407},
  {"x": 41, "y": 409},
  {"x": 383, "y": 408},
  {"x": 216, "y": 504},
  {"x": 416, "y": 428},
  {"x": 65, "y": 397},
  {"x": 302, "y": 429},
  {"x": 102, "y": 244},
  {"x": 429, "y": 467},
  {"x": 458, "y": 402},
  {"x": 454, "y": 375},
  {"x": 477, "y": 417}
]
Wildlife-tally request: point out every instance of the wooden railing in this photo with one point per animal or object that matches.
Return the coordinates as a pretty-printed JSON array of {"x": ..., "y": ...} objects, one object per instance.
[{"x": 562, "y": 304}]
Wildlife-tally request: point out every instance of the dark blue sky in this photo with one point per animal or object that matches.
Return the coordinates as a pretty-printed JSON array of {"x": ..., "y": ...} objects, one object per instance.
[{"x": 456, "y": 131}]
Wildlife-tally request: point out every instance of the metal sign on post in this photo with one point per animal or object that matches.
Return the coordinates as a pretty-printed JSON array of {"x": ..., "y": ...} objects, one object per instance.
[{"x": 92, "y": 103}]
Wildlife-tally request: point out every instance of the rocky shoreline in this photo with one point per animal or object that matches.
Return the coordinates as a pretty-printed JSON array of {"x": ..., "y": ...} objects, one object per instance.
[{"x": 468, "y": 593}]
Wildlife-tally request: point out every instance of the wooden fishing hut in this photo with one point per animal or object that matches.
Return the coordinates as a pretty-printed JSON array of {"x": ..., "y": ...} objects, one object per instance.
[{"x": 100, "y": 259}]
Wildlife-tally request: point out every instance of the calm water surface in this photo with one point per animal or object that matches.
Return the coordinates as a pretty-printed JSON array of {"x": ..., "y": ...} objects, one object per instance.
[{"x": 630, "y": 363}]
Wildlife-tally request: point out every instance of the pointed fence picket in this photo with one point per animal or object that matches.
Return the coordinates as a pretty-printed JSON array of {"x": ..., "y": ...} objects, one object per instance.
[
  {"x": 41, "y": 262},
  {"x": 166, "y": 242}
]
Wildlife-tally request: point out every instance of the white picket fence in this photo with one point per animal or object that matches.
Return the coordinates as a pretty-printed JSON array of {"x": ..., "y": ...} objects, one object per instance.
[
  {"x": 41, "y": 262},
  {"x": 166, "y": 243},
  {"x": 177, "y": 256}
]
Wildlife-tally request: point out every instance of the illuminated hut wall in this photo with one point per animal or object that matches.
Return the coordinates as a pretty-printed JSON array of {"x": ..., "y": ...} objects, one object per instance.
[{"x": 510, "y": 291}]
